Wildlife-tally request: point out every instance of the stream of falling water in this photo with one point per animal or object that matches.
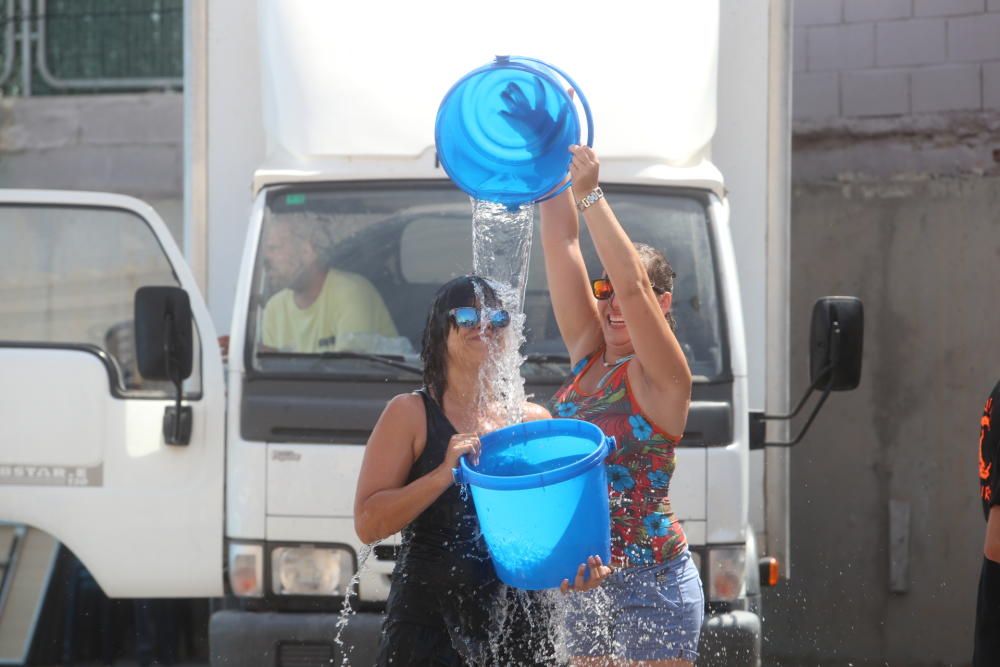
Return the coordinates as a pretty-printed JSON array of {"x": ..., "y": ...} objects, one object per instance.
[
  {"x": 501, "y": 246},
  {"x": 346, "y": 610}
]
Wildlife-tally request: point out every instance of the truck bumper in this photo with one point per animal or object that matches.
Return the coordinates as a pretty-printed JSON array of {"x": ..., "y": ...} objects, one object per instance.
[
  {"x": 271, "y": 639},
  {"x": 730, "y": 639}
]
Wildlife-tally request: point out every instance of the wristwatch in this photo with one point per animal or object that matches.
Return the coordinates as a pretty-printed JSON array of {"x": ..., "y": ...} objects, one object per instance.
[{"x": 590, "y": 199}]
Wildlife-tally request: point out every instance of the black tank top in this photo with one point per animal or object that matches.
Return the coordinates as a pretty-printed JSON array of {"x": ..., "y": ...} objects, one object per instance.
[
  {"x": 445, "y": 539},
  {"x": 444, "y": 582}
]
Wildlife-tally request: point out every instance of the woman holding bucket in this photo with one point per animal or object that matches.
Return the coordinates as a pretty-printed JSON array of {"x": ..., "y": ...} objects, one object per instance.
[
  {"x": 631, "y": 378},
  {"x": 446, "y": 605}
]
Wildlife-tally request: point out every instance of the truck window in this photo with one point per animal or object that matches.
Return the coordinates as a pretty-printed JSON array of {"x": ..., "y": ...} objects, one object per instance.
[
  {"x": 68, "y": 276},
  {"x": 354, "y": 269}
]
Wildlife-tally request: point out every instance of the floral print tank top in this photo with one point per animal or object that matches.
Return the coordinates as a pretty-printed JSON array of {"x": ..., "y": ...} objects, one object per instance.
[{"x": 643, "y": 528}]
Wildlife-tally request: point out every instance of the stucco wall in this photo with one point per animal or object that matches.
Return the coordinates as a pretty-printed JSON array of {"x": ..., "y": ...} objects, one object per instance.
[{"x": 129, "y": 144}]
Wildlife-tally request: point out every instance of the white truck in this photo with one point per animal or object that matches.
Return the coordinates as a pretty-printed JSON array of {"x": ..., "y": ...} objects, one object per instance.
[{"x": 170, "y": 474}]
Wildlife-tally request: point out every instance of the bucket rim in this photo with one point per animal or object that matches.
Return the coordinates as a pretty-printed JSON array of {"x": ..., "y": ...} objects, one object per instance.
[{"x": 464, "y": 474}]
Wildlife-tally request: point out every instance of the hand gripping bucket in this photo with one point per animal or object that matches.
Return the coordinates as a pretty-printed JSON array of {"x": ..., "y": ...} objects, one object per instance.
[
  {"x": 541, "y": 495},
  {"x": 503, "y": 131}
]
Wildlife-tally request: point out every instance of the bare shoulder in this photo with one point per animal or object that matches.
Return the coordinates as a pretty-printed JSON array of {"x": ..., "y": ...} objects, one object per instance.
[
  {"x": 535, "y": 412},
  {"x": 406, "y": 408},
  {"x": 401, "y": 425}
]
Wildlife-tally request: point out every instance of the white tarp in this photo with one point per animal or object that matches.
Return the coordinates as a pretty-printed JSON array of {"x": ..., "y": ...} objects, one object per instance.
[{"x": 366, "y": 78}]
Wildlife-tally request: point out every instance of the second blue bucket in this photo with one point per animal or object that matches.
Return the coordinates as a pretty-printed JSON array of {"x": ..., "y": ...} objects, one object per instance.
[{"x": 541, "y": 495}]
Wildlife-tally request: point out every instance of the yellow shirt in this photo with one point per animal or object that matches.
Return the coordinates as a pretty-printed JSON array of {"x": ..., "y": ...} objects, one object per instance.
[{"x": 348, "y": 314}]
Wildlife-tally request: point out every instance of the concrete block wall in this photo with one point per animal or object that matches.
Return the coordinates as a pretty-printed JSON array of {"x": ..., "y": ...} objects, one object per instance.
[{"x": 870, "y": 58}]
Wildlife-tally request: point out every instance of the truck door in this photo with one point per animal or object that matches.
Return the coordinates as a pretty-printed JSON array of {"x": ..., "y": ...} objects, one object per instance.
[{"x": 82, "y": 448}]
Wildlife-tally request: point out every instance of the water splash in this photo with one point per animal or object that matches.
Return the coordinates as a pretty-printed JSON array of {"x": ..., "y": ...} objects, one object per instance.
[
  {"x": 346, "y": 610},
  {"x": 527, "y": 628},
  {"x": 501, "y": 246}
]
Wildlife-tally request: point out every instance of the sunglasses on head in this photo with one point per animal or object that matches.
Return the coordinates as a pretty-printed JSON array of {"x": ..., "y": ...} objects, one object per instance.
[
  {"x": 466, "y": 317},
  {"x": 603, "y": 290}
]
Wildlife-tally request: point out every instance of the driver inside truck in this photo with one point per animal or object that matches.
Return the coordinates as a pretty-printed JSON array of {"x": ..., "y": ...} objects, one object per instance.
[{"x": 315, "y": 307}]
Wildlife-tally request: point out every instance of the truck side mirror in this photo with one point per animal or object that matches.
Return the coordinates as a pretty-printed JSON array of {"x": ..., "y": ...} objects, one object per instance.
[
  {"x": 835, "y": 343},
  {"x": 163, "y": 341},
  {"x": 164, "y": 349}
]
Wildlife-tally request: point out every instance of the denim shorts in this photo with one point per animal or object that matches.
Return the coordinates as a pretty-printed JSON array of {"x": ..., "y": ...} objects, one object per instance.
[{"x": 651, "y": 612}]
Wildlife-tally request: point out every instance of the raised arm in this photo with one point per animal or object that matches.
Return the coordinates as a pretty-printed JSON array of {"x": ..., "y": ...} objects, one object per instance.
[
  {"x": 662, "y": 364},
  {"x": 383, "y": 502},
  {"x": 569, "y": 285}
]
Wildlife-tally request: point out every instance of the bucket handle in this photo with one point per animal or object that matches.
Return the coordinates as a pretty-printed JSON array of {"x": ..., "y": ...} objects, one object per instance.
[
  {"x": 610, "y": 445},
  {"x": 576, "y": 89},
  {"x": 586, "y": 111}
]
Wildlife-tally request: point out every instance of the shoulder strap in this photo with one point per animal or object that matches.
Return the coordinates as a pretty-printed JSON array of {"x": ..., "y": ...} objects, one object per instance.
[
  {"x": 437, "y": 422},
  {"x": 584, "y": 363},
  {"x": 580, "y": 365}
]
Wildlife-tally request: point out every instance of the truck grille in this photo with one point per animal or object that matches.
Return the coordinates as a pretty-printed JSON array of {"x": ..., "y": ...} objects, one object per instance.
[{"x": 305, "y": 654}]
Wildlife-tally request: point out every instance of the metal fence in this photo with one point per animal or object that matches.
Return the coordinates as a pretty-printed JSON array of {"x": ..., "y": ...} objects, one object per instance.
[{"x": 88, "y": 46}]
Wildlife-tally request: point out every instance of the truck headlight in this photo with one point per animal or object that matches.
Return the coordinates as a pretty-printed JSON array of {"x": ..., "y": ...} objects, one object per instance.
[
  {"x": 308, "y": 570},
  {"x": 246, "y": 569},
  {"x": 726, "y": 573}
]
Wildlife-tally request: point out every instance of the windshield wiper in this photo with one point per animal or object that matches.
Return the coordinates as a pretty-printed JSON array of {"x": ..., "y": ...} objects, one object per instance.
[{"x": 391, "y": 360}]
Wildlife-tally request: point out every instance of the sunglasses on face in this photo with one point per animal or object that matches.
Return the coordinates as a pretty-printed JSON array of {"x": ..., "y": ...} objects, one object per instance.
[
  {"x": 603, "y": 290},
  {"x": 467, "y": 317}
]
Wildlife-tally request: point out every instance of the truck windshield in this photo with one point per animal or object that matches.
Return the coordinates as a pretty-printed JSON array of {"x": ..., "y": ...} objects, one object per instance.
[{"x": 345, "y": 276}]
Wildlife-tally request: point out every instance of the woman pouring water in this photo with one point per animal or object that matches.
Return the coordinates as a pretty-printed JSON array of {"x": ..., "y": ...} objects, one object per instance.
[
  {"x": 446, "y": 605},
  {"x": 631, "y": 378}
]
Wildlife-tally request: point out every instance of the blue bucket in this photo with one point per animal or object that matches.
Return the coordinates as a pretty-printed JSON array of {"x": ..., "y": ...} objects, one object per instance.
[
  {"x": 504, "y": 130},
  {"x": 541, "y": 495}
]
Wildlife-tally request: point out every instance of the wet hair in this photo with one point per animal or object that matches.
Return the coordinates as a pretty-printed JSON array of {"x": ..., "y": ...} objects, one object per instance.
[
  {"x": 661, "y": 275},
  {"x": 455, "y": 293}
]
